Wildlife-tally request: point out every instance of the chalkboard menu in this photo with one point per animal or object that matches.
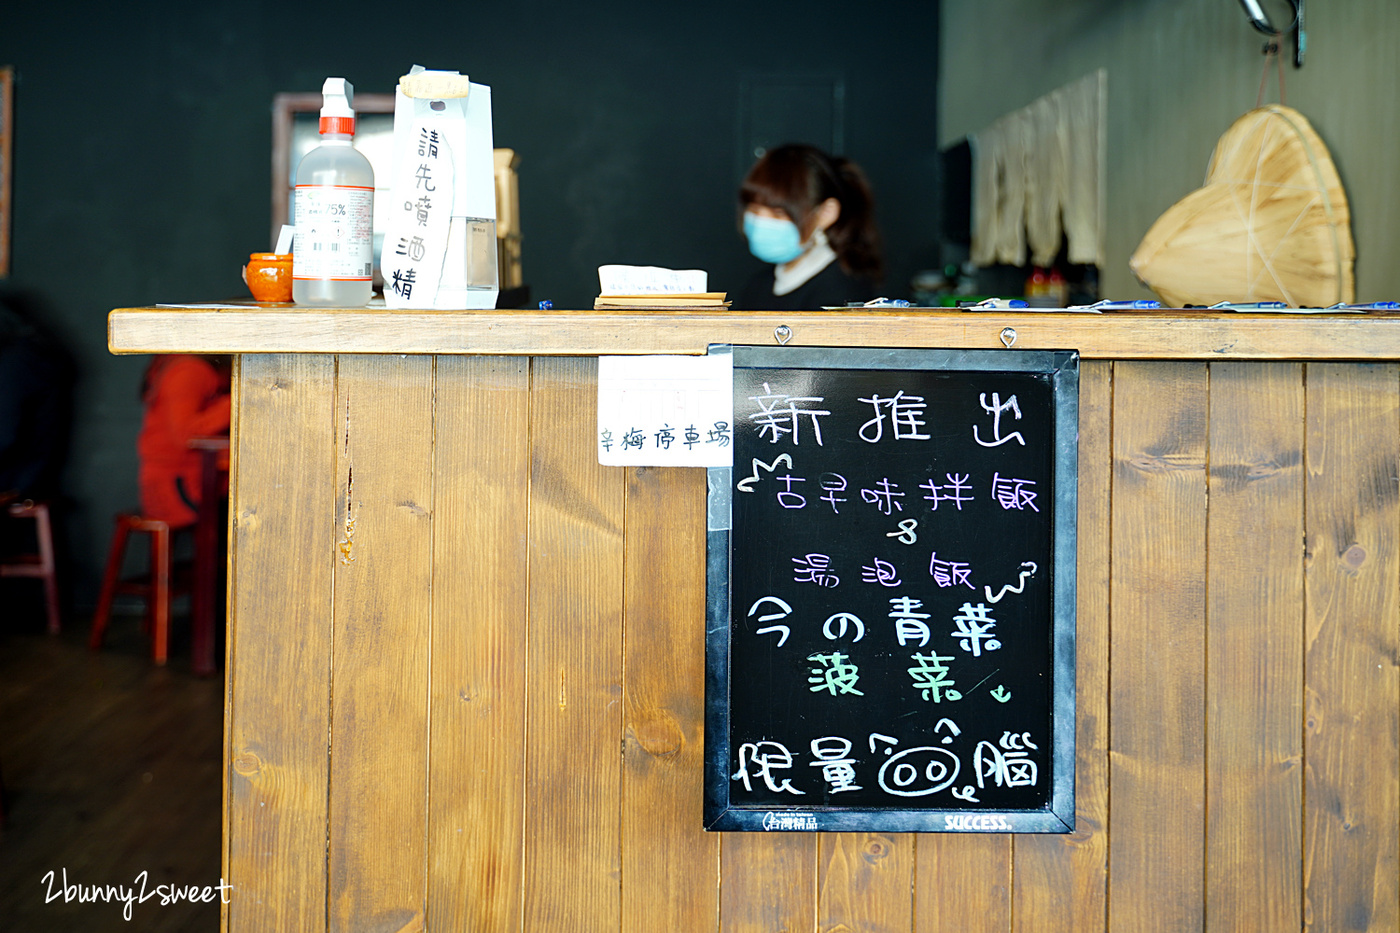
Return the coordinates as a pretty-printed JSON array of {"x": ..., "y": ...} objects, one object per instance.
[{"x": 891, "y": 593}]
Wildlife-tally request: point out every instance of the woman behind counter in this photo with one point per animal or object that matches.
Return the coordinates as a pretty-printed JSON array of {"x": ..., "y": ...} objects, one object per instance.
[{"x": 812, "y": 216}]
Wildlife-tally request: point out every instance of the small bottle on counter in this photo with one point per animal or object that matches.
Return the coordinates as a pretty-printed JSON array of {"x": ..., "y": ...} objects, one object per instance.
[
  {"x": 333, "y": 251},
  {"x": 1038, "y": 289}
]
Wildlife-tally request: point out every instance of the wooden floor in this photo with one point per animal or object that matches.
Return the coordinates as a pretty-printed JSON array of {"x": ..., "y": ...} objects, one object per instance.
[{"x": 111, "y": 769}]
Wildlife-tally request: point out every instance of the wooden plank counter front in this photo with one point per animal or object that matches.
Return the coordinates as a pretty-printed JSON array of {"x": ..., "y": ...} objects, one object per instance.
[{"x": 466, "y": 662}]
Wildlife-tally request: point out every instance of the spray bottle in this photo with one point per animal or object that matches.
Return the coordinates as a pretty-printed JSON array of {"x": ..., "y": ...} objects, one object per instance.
[{"x": 333, "y": 251}]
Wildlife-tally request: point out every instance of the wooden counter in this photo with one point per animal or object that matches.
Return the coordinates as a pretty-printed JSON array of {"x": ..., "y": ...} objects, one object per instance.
[
  {"x": 1183, "y": 335},
  {"x": 466, "y": 662}
]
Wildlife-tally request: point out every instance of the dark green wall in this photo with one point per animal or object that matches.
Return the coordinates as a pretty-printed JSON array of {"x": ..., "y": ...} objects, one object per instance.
[
  {"x": 1179, "y": 73},
  {"x": 143, "y": 138}
]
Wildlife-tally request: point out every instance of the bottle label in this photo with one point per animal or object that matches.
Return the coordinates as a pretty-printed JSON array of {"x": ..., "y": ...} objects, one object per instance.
[{"x": 334, "y": 233}]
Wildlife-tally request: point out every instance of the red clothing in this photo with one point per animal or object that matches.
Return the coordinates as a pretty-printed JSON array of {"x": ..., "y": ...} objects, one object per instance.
[{"x": 185, "y": 397}]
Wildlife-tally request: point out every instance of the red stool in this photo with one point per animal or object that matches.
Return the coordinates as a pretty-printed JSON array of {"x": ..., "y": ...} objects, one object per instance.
[
  {"x": 39, "y": 565},
  {"x": 157, "y": 588}
]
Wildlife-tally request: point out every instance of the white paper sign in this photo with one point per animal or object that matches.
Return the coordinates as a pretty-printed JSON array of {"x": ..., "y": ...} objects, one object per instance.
[
  {"x": 439, "y": 246},
  {"x": 665, "y": 410},
  {"x": 415, "y": 240}
]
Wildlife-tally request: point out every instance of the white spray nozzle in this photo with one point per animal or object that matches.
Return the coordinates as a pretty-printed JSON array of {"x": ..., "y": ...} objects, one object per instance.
[{"x": 336, "y": 97}]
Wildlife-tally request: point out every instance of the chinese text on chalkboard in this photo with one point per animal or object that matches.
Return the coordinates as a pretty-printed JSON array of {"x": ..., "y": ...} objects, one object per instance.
[{"x": 891, "y": 582}]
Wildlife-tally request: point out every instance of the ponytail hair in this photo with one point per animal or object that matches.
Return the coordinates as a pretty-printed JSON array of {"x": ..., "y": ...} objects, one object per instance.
[{"x": 797, "y": 179}]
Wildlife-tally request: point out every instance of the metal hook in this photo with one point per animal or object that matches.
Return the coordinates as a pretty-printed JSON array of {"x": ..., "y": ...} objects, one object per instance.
[
  {"x": 1008, "y": 336},
  {"x": 783, "y": 334}
]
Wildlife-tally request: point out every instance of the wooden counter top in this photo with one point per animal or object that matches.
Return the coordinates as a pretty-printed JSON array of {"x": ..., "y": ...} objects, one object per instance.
[{"x": 1165, "y": 334}]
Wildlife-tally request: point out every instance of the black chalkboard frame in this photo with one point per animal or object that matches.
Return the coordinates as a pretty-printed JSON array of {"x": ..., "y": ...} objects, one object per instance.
[{"x": 720, "y": 812}]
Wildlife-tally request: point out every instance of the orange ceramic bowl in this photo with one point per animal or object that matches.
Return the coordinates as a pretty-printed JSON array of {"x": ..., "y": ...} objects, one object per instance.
[{"x": 269, "y": 276}]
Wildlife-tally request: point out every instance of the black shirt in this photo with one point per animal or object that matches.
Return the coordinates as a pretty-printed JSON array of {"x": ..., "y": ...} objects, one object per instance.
[{"x": 829, "y": 288}]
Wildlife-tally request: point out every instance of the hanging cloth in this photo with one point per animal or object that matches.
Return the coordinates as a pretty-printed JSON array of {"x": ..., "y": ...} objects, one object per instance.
[{"x": 1037, "y": 180}]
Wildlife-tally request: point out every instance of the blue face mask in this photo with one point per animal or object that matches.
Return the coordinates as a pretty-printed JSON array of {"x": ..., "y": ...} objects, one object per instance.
[{"x": 772, "y": 240}]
